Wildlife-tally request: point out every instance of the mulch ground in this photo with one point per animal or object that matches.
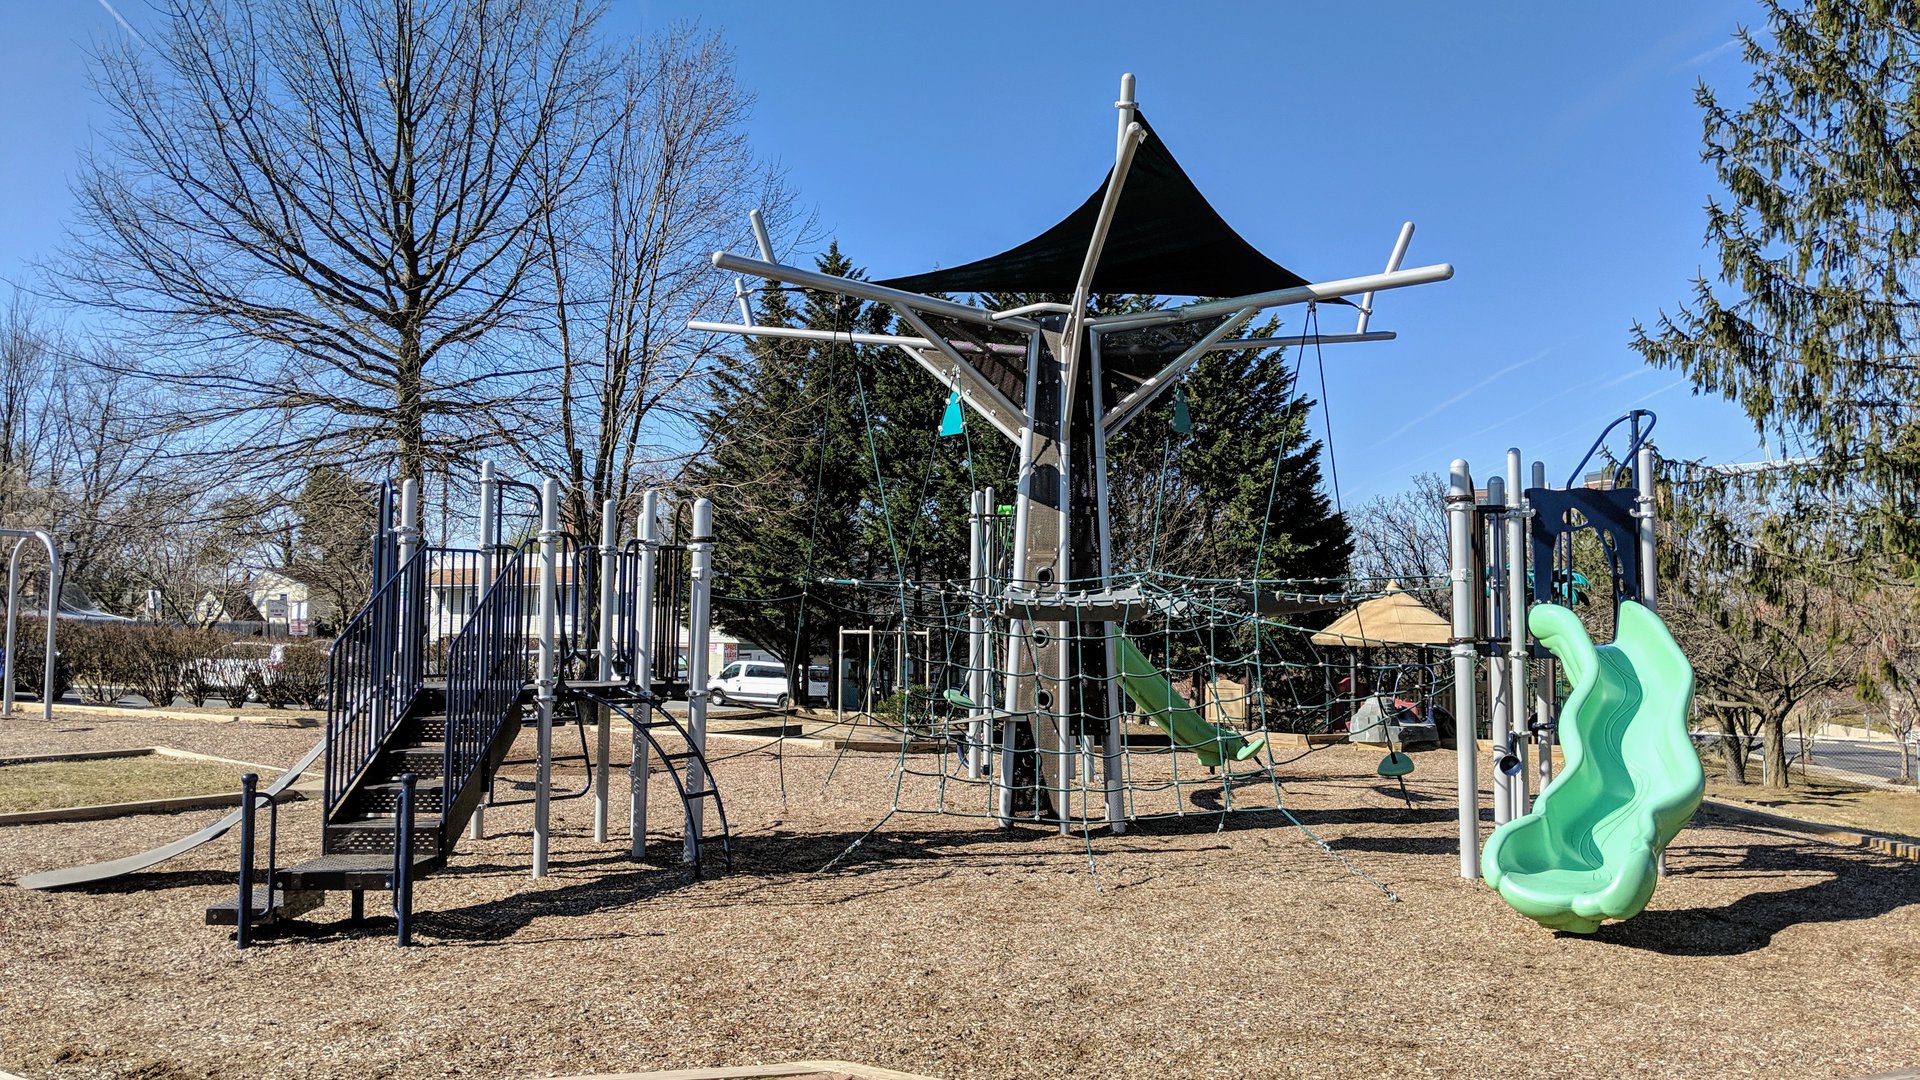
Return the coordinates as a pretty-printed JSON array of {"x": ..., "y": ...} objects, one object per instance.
[{"x": 940, "y": 945}]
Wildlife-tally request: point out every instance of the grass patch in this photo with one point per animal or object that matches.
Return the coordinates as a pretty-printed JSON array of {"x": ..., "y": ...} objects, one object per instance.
[
  {"x": 1830, "y": 802},
  {"x": 50, "y": 785}
]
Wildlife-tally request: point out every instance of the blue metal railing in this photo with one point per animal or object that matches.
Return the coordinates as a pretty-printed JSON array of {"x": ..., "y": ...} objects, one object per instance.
[
  {"x": 373, "y": 672},
  {"x": 487, "y": 667}
]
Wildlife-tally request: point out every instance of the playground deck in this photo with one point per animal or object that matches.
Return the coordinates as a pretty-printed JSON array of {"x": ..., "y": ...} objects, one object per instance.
[{"x": 946, "y": 948}]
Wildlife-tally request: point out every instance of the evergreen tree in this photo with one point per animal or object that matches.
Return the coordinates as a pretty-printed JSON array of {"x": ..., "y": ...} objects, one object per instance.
[
  {"x": 786, "y": 469},
  {"x": 1812, "y": 329},
  {"x": 1199, "y": 502}
]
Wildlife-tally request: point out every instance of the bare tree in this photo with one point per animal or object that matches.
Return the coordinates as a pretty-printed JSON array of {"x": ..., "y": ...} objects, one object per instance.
[
  {"x": 1403, "y": 536},
  {"x": 1891, "y": 675},
  {"x": 322, "y": 214},
  {"x": 627, "y": 262}
]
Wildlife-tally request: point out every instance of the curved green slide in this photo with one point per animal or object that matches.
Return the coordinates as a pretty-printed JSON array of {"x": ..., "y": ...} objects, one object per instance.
[
  {"x": 1160, "y": 702},
  {"x": 1590, "y": 849}
]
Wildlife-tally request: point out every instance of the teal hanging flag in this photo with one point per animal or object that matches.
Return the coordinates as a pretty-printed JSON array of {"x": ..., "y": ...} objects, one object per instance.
[
  {"x": 1182, "y": 423},
  {"x": 952, "y": 422}
]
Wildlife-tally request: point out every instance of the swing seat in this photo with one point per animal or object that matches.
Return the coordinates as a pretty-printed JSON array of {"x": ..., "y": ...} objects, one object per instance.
[{"x": 1395, "y": 764}]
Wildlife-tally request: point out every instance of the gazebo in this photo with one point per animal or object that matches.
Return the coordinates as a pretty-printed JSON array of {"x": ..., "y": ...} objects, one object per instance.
[{"x": 1396, "y": 618}]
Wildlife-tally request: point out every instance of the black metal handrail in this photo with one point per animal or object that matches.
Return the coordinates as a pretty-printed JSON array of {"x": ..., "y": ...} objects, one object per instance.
[
  {"x": 373, "y": 671},
  {"x": 456, "y": 578},
  {"x": 487, "y": 668}
]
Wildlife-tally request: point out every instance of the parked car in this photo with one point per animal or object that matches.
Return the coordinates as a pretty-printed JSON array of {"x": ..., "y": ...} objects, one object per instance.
[
  {"x": 239, "y": 666},
  {"x": 817, "y": 682},
  {"x": 757, "y": 681}
]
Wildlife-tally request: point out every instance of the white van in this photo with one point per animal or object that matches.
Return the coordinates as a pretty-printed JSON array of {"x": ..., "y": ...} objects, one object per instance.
[{"x": 756, "y": 681}]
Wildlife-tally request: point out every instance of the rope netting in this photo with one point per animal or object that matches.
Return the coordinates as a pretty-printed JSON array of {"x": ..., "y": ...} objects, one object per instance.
[{"x": 1175, "y": 717}]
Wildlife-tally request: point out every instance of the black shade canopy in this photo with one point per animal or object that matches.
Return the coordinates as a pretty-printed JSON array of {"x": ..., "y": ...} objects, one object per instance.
[{"x": 1165, "y": 241}]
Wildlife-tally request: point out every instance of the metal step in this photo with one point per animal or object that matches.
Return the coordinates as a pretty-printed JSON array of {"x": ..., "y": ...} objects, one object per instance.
[
  {"x": 283, "y": 904},
  {"x": 352, "y": 871},
  {"x": 382, "y": 797},
  {"x": 422, "y": 759},
  {"x": 373, "y": 835}
]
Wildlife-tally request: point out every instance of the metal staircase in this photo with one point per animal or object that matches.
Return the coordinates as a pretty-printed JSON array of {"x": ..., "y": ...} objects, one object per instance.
[{"x": 420, "y": 721}]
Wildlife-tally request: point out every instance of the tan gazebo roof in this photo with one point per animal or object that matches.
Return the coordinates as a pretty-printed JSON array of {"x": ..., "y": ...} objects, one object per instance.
[{"x": 1394, "y": 619}]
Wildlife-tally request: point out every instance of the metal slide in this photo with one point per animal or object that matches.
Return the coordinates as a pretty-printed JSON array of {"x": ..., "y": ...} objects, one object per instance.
[{"x": 113, "y": 868}]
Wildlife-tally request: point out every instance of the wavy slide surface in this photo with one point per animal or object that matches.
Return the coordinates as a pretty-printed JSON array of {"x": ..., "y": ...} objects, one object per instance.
[{"x": 1589, "y": 851}]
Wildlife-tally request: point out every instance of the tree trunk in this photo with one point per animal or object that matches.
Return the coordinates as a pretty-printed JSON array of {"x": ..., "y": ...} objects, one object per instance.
[
  {"x": 1776, "y": 750},
  {"x": 1733, "y": 746}
]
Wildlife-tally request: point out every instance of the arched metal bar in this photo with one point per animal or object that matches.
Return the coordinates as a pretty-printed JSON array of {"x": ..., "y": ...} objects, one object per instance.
[{"x": 13, "y": 616}]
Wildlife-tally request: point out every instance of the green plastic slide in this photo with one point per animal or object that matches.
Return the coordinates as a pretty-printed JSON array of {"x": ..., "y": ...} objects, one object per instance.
[
  {"x": 1156, "y": 698},
  {"x": 1589, "y": 851}
]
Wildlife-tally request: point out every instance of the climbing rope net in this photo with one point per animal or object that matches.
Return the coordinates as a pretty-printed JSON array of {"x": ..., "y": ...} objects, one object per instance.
[{"x": 1211, "y": 695}]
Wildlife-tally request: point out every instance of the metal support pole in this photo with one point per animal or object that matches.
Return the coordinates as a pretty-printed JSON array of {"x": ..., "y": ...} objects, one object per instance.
[
  {"x": 403, "y": 863},
  {"x": 51, "y": 655},
  {"x": 488, "y": 527},
  {"x": 976, "y": 635},
  {"x": 243, "y": 914},
  {"x": 408, "y": 537},
  {"x": 609, "y": 565},
  {"x": 700, "y": 618},
  {"x": 1516, "y": 525},
  {"x": 545, "y": 683},
  {"x": 637, "y": 769},
  {"x": 1113, "y": 746},
  {"x": 1465, "y": 596},
  {"x": 1643, "y": 506},
  {"x": 1499, "y": 705},
  {"x": 13, "y": 622},
  {"x": 1544, "y": 691}
]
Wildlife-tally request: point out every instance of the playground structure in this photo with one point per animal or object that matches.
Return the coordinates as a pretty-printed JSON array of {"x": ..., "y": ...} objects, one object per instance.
[
  {"x": 1062, "y": 690},
  {"x": 1590, "y": 846},
  {"x": 1052, "y": 632},
  {"x": 561, "y": 631},
  {"x": 1044, "y": 626},
  {"x": 50, "y": 657}
]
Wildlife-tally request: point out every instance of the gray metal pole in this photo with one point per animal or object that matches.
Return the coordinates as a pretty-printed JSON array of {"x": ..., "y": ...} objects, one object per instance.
[
  {"x": 976, "y": 634},
  {"x": 638, "y": 769},
  {"x": 1465, "y": 595},
  {"x": 700, "y": 616},
  {"x": 1499, "y": 705},
  {"x": 545, "y": 671},
  {"x": 1114, "y": 744},
  {"x": 13, "y": 621},
  {"x": 609, "y": 565},
  {"x": 1517, "y": 659},
  {"x": 1644, "y": 511},
  {"x": 488, "y": 529}
]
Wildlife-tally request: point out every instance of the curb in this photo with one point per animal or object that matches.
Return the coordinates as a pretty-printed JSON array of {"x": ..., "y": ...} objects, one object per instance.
[{"x": 141, "y": 806}]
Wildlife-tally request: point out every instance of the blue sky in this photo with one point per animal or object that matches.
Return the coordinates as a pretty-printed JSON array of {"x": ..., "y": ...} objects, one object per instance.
[{"x": 1550, "y": 152}]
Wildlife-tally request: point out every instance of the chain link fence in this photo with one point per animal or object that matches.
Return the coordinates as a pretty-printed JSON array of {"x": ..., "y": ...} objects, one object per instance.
[{"x": 1812, "y": 753}]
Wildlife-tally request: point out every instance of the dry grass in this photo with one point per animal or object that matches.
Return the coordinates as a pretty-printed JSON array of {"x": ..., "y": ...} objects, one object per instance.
[
  {"x": 1831, "y": 802},
  {"x": 1199, "y": 947},
  {"x": 46, "y": 785}
]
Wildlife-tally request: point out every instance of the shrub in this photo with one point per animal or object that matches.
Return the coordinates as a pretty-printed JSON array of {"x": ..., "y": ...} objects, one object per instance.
[
  {"x": 196, "y": 677},
  {"x": 29, "y": 667},
  {"x": 300, "y": 680},
  {"x": 99, "y": 657}
]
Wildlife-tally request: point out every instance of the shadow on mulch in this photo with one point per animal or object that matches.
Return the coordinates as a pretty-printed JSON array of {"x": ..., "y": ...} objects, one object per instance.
[{"x": 1856, "y": 887}]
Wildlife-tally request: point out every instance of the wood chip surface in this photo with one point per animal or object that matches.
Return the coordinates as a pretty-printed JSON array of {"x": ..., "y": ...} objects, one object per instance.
[{"x": 1195, "y": 947}]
